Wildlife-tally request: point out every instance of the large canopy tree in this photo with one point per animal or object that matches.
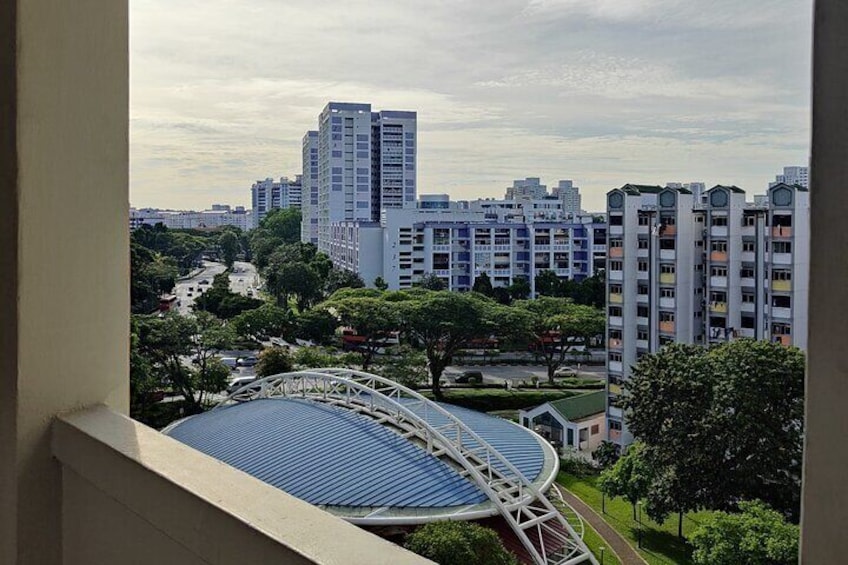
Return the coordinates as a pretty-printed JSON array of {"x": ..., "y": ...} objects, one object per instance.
[
  {"x": 720, "y": 425},
  {"x": 557, "y": 326},
  {"x": 373, "y": 319}
]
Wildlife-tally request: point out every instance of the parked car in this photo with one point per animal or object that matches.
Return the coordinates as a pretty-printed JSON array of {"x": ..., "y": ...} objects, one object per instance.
[
  {"x": 204, "y": 281},
  {"x": 247, "y": 361},
  {"x": 470, "y": 377},
  {"x": 239, "y": 382},
  {"x": 565, "y": 372},
  {"x": 230, "y": 362}
]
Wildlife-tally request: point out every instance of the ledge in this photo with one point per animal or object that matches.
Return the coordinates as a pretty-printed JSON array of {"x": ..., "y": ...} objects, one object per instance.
[{"x": 217, "y": 513}]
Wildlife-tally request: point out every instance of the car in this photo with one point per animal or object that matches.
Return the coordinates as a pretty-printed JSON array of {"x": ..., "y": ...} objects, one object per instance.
[
  {"x": 247, "y": 361},
  {"x": 565, "y": 372},
  {"x": 191, "y": 289},
  {"x": 470, "y": 377},
  {"x": 204, "y": 281},
  {"x": 230, "y": 362},
  {"x": 239, "y": 382}
]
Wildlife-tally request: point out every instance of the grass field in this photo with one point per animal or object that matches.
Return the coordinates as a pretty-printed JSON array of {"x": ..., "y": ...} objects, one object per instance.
[{"x": 660, "y": 544}]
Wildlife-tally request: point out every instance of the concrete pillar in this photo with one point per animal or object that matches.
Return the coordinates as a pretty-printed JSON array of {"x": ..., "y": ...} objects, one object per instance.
[
  {"x": 825, "y": 499},
  {"x": 64, "y": 286}
]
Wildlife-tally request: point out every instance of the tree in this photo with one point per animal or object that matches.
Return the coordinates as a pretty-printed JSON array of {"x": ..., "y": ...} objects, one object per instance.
[
  {"x": 380, "y": 284},
  {"x": 629, "y": 478},
  {"x": 316, "y": 325},
  {"x": 557, "y": 325},
  {"x": 719, "y": 425},
  {"x": 519, "y": 289},
  {"x": 164, "y": 342},
  {"x": 283, "y": 224},
  {"x": 267, "y": 320},
  {"x": 223, "y": 303},
  {"x": 298, "y": 280},
  {"x": 483, "y": 285},
  {"x": 501, "y": 295},
  {"x": 228, "y": 243},
  {"x": 548, "y": 284},
  {"x": 273, "y": 361},
  {"x": 459, "y": 543},
  {"x": 606, "y": 454},
  {"x": 444, "y": 322},
  {"x": 405, "y": 365},
  {"x": 757, "y": 535},
  {"x": 431, "y": 282},
  {"x": 373, "y": 319},
  {"x": 342, "y": 278}
]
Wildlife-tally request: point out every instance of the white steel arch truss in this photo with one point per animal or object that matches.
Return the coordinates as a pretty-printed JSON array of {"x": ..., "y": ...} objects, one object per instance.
[{"x": 543, "y": 530}]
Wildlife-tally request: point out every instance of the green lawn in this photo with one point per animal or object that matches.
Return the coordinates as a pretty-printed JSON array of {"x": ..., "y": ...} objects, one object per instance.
[
  {"x": 491, "y": 399},
  {"x": 660, "y": 543}
]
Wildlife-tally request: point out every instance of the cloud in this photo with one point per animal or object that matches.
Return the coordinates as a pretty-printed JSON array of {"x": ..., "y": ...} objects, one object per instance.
[{"x": 601, "y": 91}]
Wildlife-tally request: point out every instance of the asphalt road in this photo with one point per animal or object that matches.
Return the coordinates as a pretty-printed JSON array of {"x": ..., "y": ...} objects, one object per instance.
[
  {"x": 244, "y": 282},
  {"x": 498, "y": 374}
]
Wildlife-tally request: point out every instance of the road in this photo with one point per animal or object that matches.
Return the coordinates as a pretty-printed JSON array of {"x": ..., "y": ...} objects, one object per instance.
[
  {"x": 243, "y": 280},
  {"x": 498, "y": 374}
]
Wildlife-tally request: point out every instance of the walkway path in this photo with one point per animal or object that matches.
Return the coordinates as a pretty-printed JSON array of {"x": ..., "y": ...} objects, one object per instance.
[{"x": 623, "y": 550}]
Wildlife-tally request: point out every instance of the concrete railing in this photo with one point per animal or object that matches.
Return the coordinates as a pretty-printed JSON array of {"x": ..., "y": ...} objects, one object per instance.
[{"x": 132, "y": 495}]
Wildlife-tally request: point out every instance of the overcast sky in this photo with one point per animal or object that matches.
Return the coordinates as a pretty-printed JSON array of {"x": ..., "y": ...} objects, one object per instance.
[{"x": 599, "y": 91}]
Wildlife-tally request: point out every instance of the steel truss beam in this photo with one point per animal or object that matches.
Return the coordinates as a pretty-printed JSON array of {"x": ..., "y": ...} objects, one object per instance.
[{"x": 545, "y": 533}]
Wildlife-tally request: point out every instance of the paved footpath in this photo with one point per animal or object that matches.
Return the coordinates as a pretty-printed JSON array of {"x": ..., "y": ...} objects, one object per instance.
[{"x": 623, "y": 550}]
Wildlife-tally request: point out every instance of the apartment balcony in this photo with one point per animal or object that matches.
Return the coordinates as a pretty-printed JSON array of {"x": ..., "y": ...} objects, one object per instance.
[
  {"x": 667, "y": 302},
  {"x": 615, "y": 230},
  {"x": 616, "y": 298},
  {"x": 720, "y": 256},
  {"x": 615, "y": 413},
  {"x": 613, "y": 388},
  {"x": 747, "y": 282},
  {"x": 718, "y": 307},
  {"x": 501, "y": 272},
  {"x": 781, "y": 313},
  {"x": 642, "y": 299},
  {"x": 614, "y": 343},
  {"x": 614, "y": 435},
  {"x": 616, "y": 321},
  {"x": 642, "y": 253},
  {"x": 642, "y": 344},
  {"x": 599, "y": 248},
  {"x": 669, "y": 230},
  {"x": 667, "y": 327},
  {"x": 668, "y": 254},
  {"x": 615, "y": 366},
  {"x": 748, "y": 307},
  {"x": 615, "y": 252},
  {"x": 616, "y": 275},
  {"x": 441, "y": 247},
  {"x": 781, "y": 286},
  {"x": 667, "y": 278},
  {"x": 781, "y": 231},
  {"x": 784, "y": 340},
  {"x": 781, "y": 259},
  {"x": 718, "y": 231},
  {"x": 747, "y": 332},
  {"x": 748, "y": 257},
  {"x": 642, "y": 320}
]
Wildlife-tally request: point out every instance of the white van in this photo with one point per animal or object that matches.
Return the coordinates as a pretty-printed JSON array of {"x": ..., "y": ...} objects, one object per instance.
[
  {"x": 231, "y": 362},
  {"x": 239, "y": 382}
]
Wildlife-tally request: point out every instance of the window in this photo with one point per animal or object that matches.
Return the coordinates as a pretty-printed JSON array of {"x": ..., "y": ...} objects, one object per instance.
[
  {"x": 614, "y": 356},
  {"x": 748, "y": 298},
  {"x": 781, "y": 302},
  {"x": 615, "y": 334},
  {"x": 667, "y": 243},
  {"x": 717, "y": 296},
  {"x": 746, "y": 272},
  {"x": 615, "y": 310},
  {"x": 666, "y": 292},
  {"x": 781, "y": 275},
  {"x": 616, "y": 243},
  {"x": 614, "y": 425},
  {"x": 595, "y": 429},
  {"x": 718, "y": 271},
  {"x": 666, "y": 316},
  {"x": 667, "y": 268},
  {"x": 441, "y": 261},
  {"x": 644, "y": 220},
  {"x": 615, "y": 289},
  {"x": 616, "y": 265},
  {"x": 718, "y": 221},
  {"x": 781, "y": 329},
  {"x": 642, "y": 289},
  {"x": 642, "y": 335},
  {"x": 782, "y": 247},
  {"x": 616, "y": 220},
  {"x": 642, "y": 311},
  {"x": 643, "y": 244},
  {"x": 749, "y": 220},
  {"x": 748, "y": 322},
  {"x": 642, "y": 266},
  {"x": 719, "y": 245},
  {"x": 782, "y": 220},
  {"x": 749, "y": 246}
]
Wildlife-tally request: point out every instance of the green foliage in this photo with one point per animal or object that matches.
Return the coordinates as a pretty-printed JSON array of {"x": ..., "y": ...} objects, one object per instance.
[
  {"x": 588, "y": 292},
  {"x": 223, "y": 303},
  {"x": 162, "y": 343},
  {"x": 492, "y": 399},
  {"x": 283, "y": 224},
  {"x": 317, "y": 325},
  {"x": 267, "y": 320},
  {"x": 273, "y": 361},
  {"x": 373, "y": 319},
  {"x": 381, "y": 284},
  {"x": 431, "y": 282},
  {"x": 229, "y": 246},
  {"x": 151, "y": 275},
  {"x": 342, "y": 278},
  {"x": 606, "y": 454},
  {"x": 185, "y": 247},
  {"x": 557, "y": 325},
  {"x": 519, "y": 289},
  {"x": 720, "y": 424},
  {"x": 630, "y": 477},
  {"x": 404, "y": 365},
  {"x": 459, "y": 543},
  {"x": 483, "y": 285},
  {"x": 313, "y": 358},
  {"x": 757, "y": 535}
]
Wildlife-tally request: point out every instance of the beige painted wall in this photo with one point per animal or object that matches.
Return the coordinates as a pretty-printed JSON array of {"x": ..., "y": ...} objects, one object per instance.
[
  {"x": 65, "y": 249},
  {"x": 824, "y": 511}
]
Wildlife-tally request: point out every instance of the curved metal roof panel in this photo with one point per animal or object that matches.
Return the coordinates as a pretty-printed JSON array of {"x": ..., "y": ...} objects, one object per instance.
[{"x": 330, "y": 456}]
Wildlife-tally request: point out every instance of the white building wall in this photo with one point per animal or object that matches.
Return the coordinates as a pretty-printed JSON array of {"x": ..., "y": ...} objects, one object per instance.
[{"x": 309, "y": 183}]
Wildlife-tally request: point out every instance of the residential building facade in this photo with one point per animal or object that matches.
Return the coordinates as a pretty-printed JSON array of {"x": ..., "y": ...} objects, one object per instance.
[
  {"x": 268, "y": 195},
  {"x": 527, "y": 189},
  {"x": 793, "y": 176},
  {"x": 309, "y": 184},
  {"x": 682, "y": 272},
  {"x": 219, "y": 216},
  {"x": 570, "y": 197}
]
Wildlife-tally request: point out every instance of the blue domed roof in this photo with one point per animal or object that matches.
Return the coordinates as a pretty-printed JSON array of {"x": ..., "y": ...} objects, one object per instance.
[{"x": 334, "y": 457}]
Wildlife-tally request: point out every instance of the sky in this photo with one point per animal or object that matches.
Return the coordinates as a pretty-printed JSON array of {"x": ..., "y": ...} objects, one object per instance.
[{"x": 603, "y": 92}]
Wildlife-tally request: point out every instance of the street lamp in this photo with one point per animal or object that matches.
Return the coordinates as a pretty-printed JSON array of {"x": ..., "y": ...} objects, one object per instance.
[
  {"x": 602, "y": 554},
  {"x": 639, "y": 519},
  {"x": 603, "y": 502}
]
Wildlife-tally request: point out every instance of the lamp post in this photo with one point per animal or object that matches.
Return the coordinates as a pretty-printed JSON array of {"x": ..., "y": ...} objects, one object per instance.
[
  {"x": 639, "y": 519},
  {"x": 602, "y": 554},
  {"x": 603, "y": 502}
]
